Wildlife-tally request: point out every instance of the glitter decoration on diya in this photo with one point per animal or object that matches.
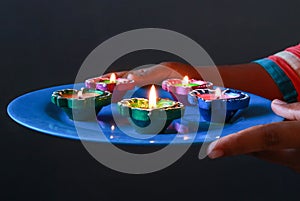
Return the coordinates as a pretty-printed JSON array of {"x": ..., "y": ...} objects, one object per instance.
[
  {"x": 217, "y": 105},
  {"x": 83, "y": 104},
  {"x": 117, "y": 86},
  {"x": 180, "y": 88},
  {"x": 151, "y": 115}
]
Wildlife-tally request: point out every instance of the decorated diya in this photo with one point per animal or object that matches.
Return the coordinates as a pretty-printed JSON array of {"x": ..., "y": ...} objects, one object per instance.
[
  {"x": 180, "y": 88},
  {"x": 151, "y": 115},
  {"x": 217, "y": 105},
  {"x": 117, "y": 86},
  {"x": 83, "y": 104}
]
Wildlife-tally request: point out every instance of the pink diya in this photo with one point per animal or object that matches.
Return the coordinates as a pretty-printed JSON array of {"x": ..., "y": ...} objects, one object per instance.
[
  {"x": 110, "y": 84},
  {"x": 180, "y": 88},
  {"x": 117, "y": 86}
]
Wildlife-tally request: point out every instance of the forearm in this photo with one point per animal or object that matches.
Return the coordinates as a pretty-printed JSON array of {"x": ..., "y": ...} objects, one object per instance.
[
  {"x": 276, "y": 76},
  {"x": 249, "y": 77}
]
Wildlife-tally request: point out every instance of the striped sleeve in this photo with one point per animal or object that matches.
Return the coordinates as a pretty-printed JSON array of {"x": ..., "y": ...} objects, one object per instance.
[{"x": 284, "y": 68}]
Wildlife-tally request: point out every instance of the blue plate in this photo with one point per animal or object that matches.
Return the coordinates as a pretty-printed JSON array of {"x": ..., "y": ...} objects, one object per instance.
[{"x": 34, "y": 110}]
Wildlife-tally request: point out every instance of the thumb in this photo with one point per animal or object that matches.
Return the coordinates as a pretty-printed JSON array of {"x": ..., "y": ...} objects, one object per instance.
[
  {"x": 151, "y": 75},
  {"x": 140, "y": 77},
  {"x": 289, "y": 111}
]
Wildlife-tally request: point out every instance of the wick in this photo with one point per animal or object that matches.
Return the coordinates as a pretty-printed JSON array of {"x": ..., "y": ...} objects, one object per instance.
[
  {"x": 218, "y": 93},
  {"x": 80, "y": 93}
]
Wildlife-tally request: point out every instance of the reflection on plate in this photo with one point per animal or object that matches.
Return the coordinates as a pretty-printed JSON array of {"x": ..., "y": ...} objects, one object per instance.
[{"x": 34, "y": 110}]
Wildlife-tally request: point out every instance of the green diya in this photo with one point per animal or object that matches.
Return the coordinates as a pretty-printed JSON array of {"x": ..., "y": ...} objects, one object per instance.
[
  {"x": 148, "y": 119},
  {"x": 81, "y": 104}
]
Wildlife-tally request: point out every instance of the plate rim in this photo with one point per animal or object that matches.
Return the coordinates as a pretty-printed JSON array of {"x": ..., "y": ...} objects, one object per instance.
[{"x": 71, "y": 137}]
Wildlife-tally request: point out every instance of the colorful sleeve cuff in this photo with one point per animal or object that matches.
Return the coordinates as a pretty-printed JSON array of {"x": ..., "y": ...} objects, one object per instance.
[
  {"x": 291, "y": 59},
  {"x": 283, "y": 82},
  {"x": 288, "y": 70}
]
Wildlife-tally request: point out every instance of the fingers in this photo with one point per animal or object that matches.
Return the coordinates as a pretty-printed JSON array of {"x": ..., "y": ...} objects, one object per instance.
[
  {"x": 273, "y": 136},
  {"x": 151, "y": 75},
  {"x": 142, "y": 76},
  {"x": 289, "y": 111}
]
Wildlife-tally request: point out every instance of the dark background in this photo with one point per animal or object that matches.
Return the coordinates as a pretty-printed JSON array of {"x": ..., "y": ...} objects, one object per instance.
[{"x": 43, "y": 44}]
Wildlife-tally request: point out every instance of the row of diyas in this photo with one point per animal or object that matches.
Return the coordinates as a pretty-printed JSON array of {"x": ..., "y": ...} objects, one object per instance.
[{"x": 146, "y": 114}]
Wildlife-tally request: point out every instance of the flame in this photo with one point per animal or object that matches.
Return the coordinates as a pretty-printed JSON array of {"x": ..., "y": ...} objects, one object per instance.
[
  {"x": 185, "y": 80},
  {"x": 152, "y": 98},
  {"x": 218, "y": 93},
  {"x": 112, "y": 78}
]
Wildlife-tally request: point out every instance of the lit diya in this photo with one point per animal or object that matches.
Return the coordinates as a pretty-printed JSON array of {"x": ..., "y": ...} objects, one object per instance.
[
  {"x": 81, "y": 104},
  {"x": 151, "y": 115},
  {"x": 180, "y": 88},
  {"x": 117, "y": 86},
  {"x": 217, "y": 105}
]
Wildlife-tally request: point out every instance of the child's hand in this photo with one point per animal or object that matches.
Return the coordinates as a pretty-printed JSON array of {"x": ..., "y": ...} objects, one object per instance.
[{"x": 275, "y": 142}]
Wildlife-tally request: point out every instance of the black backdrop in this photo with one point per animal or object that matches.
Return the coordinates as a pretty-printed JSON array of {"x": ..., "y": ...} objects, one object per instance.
[{"x": 43, "y": 44}]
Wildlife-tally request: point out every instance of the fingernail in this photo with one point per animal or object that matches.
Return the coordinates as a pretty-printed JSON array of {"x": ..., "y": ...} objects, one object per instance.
[
  {"x": 130, "y": 76},
  {"x": 279, "y": 102},
  {"x": 211, "y": 146},
  {"x": 216, "y": 154}
]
